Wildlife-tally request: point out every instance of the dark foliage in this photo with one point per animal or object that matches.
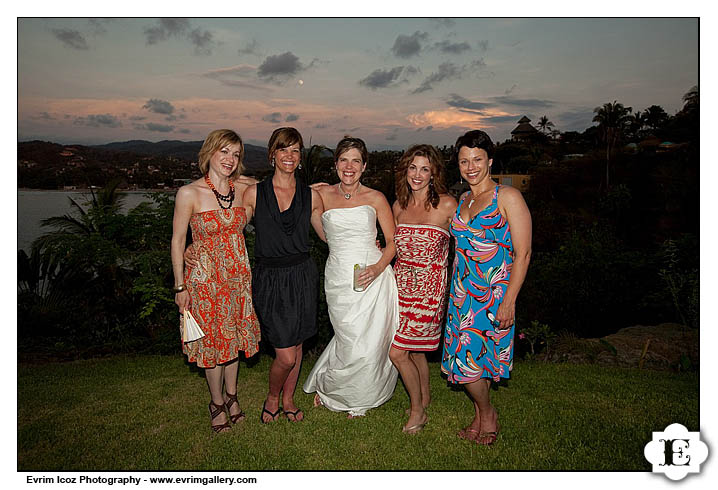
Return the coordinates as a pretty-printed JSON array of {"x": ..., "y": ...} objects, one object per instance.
[{"x": 604, "y": 257}]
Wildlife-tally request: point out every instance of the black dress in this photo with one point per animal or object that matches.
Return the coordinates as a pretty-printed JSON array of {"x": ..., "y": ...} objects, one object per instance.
[{"x": 285, "y": 281}]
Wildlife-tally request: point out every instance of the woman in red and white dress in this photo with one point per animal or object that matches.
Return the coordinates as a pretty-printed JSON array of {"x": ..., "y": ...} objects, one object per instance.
[{"x": 422, "y": 214}]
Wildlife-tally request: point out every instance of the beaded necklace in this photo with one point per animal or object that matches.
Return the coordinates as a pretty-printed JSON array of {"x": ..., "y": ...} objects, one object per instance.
[{"x": 229, "y": 198}]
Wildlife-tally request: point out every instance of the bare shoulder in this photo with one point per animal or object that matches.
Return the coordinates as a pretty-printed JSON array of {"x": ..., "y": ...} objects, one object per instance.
[
  {"x": 447, "y": 201},
  {"x": 375, "y": 196},
  {"x": 245, "y": 180},
  {"x": 510, "y": 195},
  {"x": 396, "y": 208},
  {"x": 316, "y": 195},
  {"x": 323, "y": 190},
  {"x": 189, "y": 191}
]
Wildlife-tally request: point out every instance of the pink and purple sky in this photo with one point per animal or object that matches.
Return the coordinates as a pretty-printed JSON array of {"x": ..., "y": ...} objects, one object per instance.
[{"x": 390, "y": 81}]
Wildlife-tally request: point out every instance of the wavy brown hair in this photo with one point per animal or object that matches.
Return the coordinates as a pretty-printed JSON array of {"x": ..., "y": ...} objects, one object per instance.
[
  {"x": 437, "y": 185},
  {"x": 216, "y": 140}
]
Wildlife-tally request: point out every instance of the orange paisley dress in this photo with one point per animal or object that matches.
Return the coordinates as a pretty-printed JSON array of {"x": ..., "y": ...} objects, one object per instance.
[{"x": 220, "y": 289}]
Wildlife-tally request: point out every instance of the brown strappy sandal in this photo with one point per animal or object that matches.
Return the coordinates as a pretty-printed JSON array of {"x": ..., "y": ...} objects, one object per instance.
[
  {"x": 232, "y": 400},
  {"x": 214, "y": 413}
]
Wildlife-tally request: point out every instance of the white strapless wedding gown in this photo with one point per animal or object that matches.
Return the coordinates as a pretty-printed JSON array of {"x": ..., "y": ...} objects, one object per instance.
[{"x": 354, "y": 373}]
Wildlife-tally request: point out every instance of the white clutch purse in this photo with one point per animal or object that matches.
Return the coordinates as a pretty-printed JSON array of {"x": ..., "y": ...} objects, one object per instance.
[{"x": 190, "y": 328}]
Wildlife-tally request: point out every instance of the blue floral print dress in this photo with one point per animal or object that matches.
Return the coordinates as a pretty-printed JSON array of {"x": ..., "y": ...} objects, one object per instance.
[{"x": 474, "y": 345}]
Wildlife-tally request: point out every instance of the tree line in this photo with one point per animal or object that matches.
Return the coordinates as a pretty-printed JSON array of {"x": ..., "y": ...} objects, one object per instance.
[{"x": 615, "y": 241}]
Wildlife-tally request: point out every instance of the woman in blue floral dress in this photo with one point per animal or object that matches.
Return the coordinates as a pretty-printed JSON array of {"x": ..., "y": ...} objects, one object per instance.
[{"x": 492, "y": 228}]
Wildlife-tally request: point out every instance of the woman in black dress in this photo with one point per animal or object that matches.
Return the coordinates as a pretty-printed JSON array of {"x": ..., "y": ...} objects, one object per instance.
[{"x": 285, "y": 281}]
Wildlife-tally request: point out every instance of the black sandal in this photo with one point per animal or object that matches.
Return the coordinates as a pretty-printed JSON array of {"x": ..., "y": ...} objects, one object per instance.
[
  {"x": 273, "y": 415},
  {"x": 232, "y": 400},
  {"x": 294, "y": 414},
  {"x": 214, "y": 413}
]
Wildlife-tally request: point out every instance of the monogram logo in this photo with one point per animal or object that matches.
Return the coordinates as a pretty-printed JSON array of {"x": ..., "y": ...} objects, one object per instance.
[{"x": 676, "y": 452}]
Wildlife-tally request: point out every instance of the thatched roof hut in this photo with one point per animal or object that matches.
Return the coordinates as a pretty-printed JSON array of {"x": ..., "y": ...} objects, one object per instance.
[{"x": 524, "y": 130}]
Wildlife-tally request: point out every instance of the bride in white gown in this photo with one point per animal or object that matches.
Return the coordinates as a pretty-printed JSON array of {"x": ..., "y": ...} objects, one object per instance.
[{"x": 354, "y": 373}]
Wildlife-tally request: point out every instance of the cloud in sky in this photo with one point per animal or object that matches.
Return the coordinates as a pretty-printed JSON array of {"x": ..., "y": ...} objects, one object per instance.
[
  {"x": 91, "y": 74},
  {"x": 502, "y": 119},
  {"x": 274, "y": 117},
  {"x": 166, "y": 28},
  {"x": 452, "y": 48},
  {"x": 98, "y": 121},
  {"x": 388, "y": 78},
  {"x": 159, "y": 106},
  {"x": 163, "y": 29},
  {"x": 238, "y": 76},
  {"x": 71, "y": 38},
  {"x": 280, "y": 66},
  {"x": 460, "y": 102},
  {"x": 98, "y": 25},
  {"x": 249, "y": 48},
  {"x": 203, "y": 41},
  {"x": 162, "y": 128},
  {"x": 524, "y": 103},
  {"x": 408, "y": 46},
  {"x": 446, "y": 71}
]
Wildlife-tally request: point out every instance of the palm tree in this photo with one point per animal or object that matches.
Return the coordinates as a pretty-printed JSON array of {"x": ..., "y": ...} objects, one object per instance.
[
  {"x": 691, "y": 98},
  {"x": 655, "y": 116},
  {"x": 311, "y": 161},
  {"x": 636, "y": 123},
  {"x": 613, "y": 119},
  {"x": 91, "y": 242},
  {"x": 544, "y": 124}
]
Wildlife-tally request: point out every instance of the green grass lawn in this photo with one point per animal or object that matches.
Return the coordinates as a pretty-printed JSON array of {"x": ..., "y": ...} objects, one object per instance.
[{"x": 150, "y": 413}]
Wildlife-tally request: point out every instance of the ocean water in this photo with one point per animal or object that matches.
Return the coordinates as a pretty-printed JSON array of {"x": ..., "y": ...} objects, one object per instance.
[{"x": 33, "y": 206}]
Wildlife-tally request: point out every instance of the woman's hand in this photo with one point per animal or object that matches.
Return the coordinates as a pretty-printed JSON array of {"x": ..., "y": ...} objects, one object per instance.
[
  {"x": 505, "y": 314},
  {"x": 190, "y": 257},
  {"x": 368, "y": 275},
  {"x": 182, "y": 300}
]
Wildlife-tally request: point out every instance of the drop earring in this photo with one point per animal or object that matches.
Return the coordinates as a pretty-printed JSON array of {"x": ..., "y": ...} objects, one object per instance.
[
  {"x": 300, "y": 166},
  {"x": 272, "y": 162}
]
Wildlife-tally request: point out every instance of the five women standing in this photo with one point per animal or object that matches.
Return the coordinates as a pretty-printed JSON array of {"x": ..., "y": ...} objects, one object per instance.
[{"x": 355, "y": 372}]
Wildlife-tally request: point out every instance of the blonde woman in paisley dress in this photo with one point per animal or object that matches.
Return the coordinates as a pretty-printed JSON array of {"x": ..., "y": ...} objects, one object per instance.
[
  {"x": 422, "y": 214},
  {"x": 216, "y": 288}
]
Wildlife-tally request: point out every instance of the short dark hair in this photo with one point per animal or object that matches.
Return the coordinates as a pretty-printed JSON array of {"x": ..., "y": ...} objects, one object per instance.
[
  {"x": 347, "y": 143},
  {"x": 283, "y": 138},
  {"x": 474, "y": 139}
]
